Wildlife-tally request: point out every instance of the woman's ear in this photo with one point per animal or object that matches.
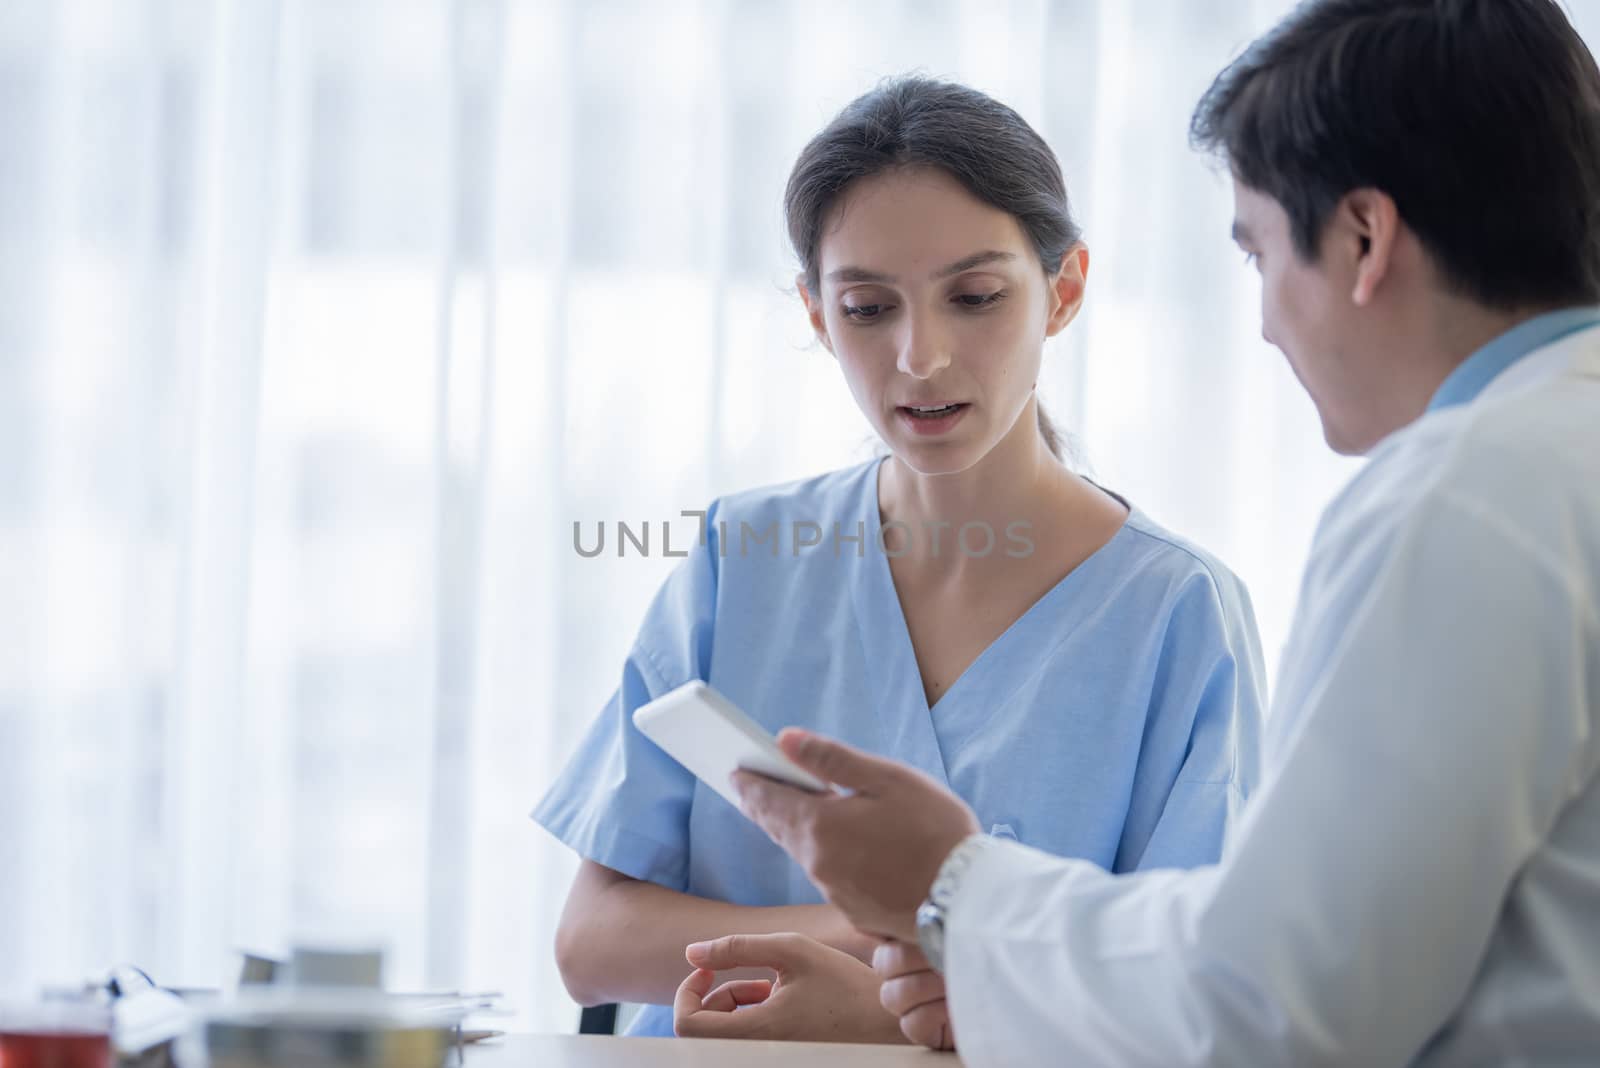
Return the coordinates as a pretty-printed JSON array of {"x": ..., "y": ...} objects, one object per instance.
[
  {"x": 1066, "y": 289},
  {"x": 813, "y": 305}
]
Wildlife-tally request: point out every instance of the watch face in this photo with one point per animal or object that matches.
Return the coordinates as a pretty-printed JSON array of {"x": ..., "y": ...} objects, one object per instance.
[{"x": 930, "y": 934}]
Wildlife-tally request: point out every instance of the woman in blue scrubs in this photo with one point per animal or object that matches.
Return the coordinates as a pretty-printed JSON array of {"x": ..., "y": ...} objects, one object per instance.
[{"x": 1088, "y": 682}]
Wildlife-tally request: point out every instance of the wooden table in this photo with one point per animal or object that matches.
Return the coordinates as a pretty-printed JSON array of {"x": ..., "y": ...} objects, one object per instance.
[{"x": 606, "y": 1051}]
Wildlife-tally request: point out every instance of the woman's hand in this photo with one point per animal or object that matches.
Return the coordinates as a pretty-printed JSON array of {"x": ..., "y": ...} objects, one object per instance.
[
  {"x": 915, "y": 993},
  {"x": 820, "y": 994},
  {"x": 622, "y": 939}
]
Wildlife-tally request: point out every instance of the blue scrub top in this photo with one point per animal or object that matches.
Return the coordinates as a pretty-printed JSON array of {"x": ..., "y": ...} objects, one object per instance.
[{"x": 1117, "y": 720}]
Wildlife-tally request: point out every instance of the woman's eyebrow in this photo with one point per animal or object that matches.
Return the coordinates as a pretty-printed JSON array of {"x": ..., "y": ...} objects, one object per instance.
[
  {"x": 859, "y": 274},
  {"x": 977, "y": 259},
  {"x": 966, "y": 263}
]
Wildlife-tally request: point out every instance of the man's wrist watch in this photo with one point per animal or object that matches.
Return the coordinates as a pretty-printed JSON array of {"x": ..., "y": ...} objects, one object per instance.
[{"x": 931, "y": 914}]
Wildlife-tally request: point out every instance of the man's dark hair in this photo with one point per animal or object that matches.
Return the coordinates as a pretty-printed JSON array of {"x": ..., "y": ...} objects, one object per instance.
[{"x": 1480, "y": 118}]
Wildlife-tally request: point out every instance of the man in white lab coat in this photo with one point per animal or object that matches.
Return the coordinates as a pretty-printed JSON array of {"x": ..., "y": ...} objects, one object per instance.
[{"x": 1418, "y": 878}]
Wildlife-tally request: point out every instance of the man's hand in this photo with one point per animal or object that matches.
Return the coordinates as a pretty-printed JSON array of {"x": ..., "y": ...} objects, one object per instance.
[
  {"x": 842, "y": 935},
  {"x": 821, "y": 994},
  {"x": 915, "y": 993},
  {"x": 873, "y": 851}
]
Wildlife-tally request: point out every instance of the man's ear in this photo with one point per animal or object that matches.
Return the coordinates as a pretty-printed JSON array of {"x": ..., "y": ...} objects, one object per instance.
[
  {"x": 1066, "y": 289},
  {"x": 1367, "y": 223},
  {"x": 813, "y": 305}
]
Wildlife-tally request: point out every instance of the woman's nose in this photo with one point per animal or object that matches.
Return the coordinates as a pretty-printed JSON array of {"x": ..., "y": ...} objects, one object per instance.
[{"x": 923, "y": 352}]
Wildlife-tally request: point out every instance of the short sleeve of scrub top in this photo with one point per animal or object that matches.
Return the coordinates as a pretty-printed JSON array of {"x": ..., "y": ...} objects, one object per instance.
[
  {"x": 621, "y": 801},
  {"x": 1198, "y": 759}
]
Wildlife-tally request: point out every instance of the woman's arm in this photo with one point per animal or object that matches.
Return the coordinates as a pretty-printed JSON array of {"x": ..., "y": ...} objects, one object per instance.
[{"x": 622, "y": 939}]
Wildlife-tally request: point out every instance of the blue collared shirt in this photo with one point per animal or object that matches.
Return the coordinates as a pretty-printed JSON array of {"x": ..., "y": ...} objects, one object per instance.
[{"x": 1485, "y": 365}]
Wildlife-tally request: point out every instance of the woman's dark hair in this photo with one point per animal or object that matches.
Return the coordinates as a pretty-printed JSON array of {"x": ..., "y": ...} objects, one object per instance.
[
  {"x": 919, "y": 122},
  {"x": 1480, "y": 118}
]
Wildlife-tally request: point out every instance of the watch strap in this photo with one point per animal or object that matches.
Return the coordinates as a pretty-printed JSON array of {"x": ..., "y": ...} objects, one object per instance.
[
  {"x": 948, "y": 881},
  {"x": 932, "y": 916}
]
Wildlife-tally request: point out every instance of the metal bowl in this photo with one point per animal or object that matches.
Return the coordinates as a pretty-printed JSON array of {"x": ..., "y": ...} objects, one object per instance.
[{"x": 325, "y": 1029}]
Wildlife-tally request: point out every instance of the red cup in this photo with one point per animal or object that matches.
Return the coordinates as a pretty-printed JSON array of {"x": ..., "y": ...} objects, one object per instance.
[{"x": 55, "y": 1034}]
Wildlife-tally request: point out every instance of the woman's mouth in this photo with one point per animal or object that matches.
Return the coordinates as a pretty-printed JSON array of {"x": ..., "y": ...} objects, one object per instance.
[{"x": 931, "y": 419}]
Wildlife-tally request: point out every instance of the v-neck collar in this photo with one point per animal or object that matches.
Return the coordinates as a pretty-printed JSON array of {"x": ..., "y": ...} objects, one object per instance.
[
  {"x": 892, "y": 658},
  {"x": 900, "y": 709}
]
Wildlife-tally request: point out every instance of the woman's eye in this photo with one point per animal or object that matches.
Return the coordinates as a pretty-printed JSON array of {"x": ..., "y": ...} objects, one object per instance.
[
  {"x": 862, "y": 311},
  {"x": 1252, "y": 259},
  {"x": 980, "y": 300}
]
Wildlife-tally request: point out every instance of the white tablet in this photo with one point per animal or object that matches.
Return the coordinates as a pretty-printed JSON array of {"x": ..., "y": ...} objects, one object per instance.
[{"x": 706, "y": 733}]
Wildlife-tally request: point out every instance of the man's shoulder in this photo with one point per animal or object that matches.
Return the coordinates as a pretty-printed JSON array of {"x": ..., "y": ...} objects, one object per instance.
[
  {"x": 1527, "y": 461},
  {"x": 1519, "y": 453}
]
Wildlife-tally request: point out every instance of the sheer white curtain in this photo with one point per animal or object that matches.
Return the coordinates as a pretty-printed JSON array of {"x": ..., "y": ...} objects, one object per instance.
[{"x": 322, "y": 323}]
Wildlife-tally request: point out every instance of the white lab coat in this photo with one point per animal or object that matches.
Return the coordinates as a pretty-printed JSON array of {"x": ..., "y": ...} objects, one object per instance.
[{"x": 1418, "y": 879}]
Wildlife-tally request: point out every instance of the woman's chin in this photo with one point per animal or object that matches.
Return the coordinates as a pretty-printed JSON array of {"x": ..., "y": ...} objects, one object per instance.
[{"x": 934, "y": 458}]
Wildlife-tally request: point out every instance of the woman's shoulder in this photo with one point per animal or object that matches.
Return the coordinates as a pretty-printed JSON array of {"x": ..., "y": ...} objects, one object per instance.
[
  {"x": 821, "y": 499},
  {"x": 1188, "y": 600},
  {"x": 1169, "y": 560}
]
